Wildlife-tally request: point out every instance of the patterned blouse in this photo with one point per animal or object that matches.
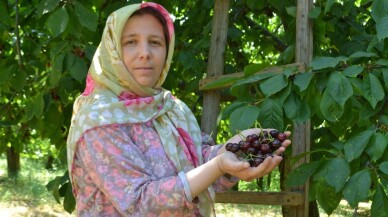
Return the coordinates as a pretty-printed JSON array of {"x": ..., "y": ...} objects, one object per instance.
[{"x": 122, "y": 170}]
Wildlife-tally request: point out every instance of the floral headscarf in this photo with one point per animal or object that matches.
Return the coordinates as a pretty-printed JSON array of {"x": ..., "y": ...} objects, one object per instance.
[{"x": 112, "y": 96}]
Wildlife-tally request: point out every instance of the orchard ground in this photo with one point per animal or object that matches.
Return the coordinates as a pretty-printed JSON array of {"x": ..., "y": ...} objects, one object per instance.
[{"x": 28, "y": 196}]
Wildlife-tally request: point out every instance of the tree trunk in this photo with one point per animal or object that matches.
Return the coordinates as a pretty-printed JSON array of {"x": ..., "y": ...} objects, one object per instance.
[
  {"x": 211, "y": 99},
  {"x": 13, "y": 162}
]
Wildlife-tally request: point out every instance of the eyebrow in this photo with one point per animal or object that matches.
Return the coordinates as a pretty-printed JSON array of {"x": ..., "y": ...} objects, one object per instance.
[{"x": 135, "y": 34}]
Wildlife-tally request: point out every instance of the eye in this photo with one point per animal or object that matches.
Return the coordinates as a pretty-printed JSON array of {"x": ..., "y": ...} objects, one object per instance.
[
  {"x": 155, "y": 42},
  {"x": 130, "y": 42}
]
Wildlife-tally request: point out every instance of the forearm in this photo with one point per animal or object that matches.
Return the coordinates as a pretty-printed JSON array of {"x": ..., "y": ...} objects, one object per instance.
[{"x": 201, "y": 177}]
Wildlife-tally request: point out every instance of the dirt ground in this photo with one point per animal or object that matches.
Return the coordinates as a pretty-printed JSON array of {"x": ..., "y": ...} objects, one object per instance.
[{"x": 24, "y": 209}]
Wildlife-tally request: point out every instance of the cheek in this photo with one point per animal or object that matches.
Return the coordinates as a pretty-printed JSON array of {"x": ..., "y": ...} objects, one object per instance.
[{"x": 126, "y": 58}]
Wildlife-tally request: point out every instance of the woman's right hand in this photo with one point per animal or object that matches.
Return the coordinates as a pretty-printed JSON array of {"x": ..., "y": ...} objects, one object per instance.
[{"x": 229, "y": 163}]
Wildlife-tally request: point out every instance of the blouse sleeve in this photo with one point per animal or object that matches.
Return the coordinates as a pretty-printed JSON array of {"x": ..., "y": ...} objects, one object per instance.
[
  {"x": 120, "y": 170},
  {"x": 209, "y": 151}
]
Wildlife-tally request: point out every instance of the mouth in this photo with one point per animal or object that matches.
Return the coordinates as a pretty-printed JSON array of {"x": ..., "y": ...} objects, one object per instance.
[{"x": 143, "y": 68}]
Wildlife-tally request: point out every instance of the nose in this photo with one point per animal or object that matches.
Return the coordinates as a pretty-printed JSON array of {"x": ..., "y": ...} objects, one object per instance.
[{"x": 144, "y": 51}]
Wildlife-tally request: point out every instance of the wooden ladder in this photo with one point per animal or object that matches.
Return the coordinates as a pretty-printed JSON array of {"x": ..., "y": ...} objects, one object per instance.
[{"x": 294, "y": 201}]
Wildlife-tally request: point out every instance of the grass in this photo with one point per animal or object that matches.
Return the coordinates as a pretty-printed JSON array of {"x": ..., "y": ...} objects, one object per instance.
[{"x": 28, "y": 196}]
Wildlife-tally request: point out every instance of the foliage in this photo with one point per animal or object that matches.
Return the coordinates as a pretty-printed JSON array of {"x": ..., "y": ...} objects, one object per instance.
[{"x": 343, "y": 92}]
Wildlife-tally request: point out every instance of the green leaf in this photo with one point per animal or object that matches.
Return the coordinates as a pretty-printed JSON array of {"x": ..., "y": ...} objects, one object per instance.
[
  {"x": 54, "y": 77},
  {"x": 382, "y": 28},
  {"x": 314, "y": 13},
  {"x": 222, "y": 82},
  {"x": 373, "y": 91},
  {"x": 339, "y": 88},
  {"x": 296, "y": 109},
  {"x": 357, "y": 188},
  {"x": 69, "y": 201},
  {"x": 302, "y": 80},
  {"x": 28, "y": 112},
  {"x": 334, "y": 172},
  {"x": 7, "y": 72},
  {"x": 385, "y": 75},
  {"x": 57, "y": 21},
  {"x": 6, "y": 124},
  {"x": 302, "y": 173},
  {"x": 253, "y": 69},
  {"x": 362, "y": 54},
  {"x": 271, "y": 114},
  {"x": 327, "y": 197},
  {"x": 384, "y": 167},
  {"x": 379, "y": 9},
  {"x": 250, "y": 79},
  {"x": 292, "y": 11},
  {"x": 38, "y": 103},
  {"x": 379, "y": 206},
  {"x": 242, "y": 118},
  {"x": 46, "y": 6},
  {"x": 320, "y": 62},
  {"x": 328, "y": 5},
  {"x": 254, "y": 4},
  {"x": 230, "y": 108},
  {"x": 377, "y": 146},
  {"x": 382, "y": 62},
  {"x": 355, "y": 145},
  {"x": 353, "y": 70},
  {"x": 86, "y": 17},
  {"x": 273, "y": 85},
  {"x": 79, "y": 69},
  {"x": 331, "y": 110},
  {"x": 19, "y": 80}
]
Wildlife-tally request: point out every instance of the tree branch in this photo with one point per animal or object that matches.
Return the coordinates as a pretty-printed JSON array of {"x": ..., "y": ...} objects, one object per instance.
[{"x": 19, "y": 52}]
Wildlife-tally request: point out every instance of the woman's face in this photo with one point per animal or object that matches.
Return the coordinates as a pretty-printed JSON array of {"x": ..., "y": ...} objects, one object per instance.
[{"x": 144, "y": 48}]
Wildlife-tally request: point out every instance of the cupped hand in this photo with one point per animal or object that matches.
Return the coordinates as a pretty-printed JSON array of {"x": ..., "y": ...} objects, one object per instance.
[{"x": 229, "y": 163}]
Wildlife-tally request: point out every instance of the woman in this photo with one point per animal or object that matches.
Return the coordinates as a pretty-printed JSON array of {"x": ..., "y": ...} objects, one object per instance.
[{"x": 134, "y": 149}]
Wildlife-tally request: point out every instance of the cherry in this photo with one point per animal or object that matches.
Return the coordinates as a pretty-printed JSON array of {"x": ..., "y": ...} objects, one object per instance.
[
  {"x": 256, "y": 147},
  {"x": 275, "y": 144},
  {"x": 281, "y": 137},
  {"x": 265, "y": 148},
  {"x": 274, "y": 133}
]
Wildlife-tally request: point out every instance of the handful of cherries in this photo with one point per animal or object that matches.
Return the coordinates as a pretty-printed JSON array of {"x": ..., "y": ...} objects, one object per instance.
[{"x": 256, "y": 147}]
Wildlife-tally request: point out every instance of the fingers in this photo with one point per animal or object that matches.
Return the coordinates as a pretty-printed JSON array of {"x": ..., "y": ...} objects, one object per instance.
[{"x": 268, "y": 165}]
